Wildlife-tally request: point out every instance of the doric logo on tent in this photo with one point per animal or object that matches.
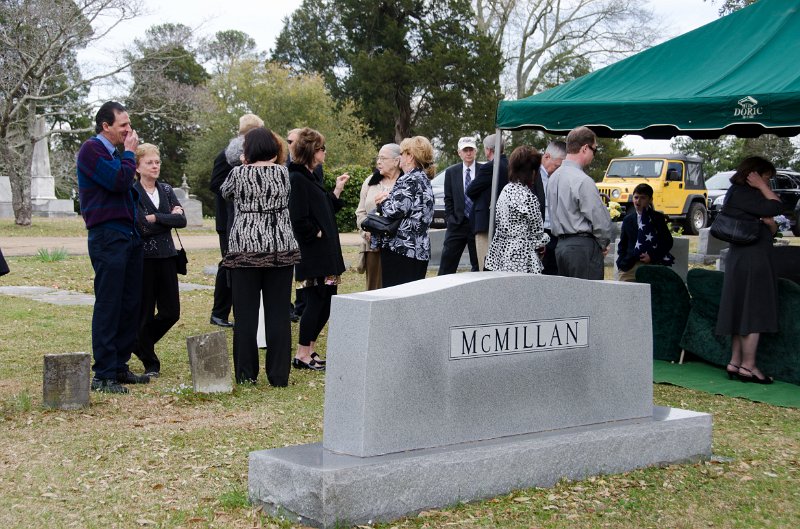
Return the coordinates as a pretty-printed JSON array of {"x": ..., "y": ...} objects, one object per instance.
[{"x": 748, "y": 108}]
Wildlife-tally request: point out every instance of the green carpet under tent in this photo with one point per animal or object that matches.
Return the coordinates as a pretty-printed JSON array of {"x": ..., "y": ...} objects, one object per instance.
[{"x": 711, "y": 379}]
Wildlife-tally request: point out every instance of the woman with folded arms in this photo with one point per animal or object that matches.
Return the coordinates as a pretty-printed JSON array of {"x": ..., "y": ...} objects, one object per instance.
[{"x": 157, "y": 213}]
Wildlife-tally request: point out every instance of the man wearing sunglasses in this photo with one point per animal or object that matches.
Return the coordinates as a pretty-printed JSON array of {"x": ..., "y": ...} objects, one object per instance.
[{"x": 578, "y": 216}]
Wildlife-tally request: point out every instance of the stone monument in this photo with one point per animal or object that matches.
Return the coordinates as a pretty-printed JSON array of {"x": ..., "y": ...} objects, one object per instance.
[
  {"x": 467, "y": 386},
  {"x": 192, "y": 208},
  {"x": 43, "y": 186},
  {"x": 66, "y": 380},
  {"x": 209, "y": 363},
  {"x": 43, "y": 191}
]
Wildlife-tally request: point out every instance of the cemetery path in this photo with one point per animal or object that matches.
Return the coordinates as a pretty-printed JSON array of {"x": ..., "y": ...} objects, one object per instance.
[{"x": 20, "y": 246}]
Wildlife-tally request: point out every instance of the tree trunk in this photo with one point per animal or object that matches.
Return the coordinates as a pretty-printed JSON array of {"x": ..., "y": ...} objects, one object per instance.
[
  {"x": 402, "y": 125},
  {"x": 20, "y": 180}
]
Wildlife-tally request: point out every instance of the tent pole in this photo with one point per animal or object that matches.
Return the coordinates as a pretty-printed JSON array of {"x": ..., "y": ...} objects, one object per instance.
[{"x": 496, "y": 162}]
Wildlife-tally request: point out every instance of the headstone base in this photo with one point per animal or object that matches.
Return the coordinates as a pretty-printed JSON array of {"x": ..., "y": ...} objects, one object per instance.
[
  {"x": 55, "y": 207},
  {"x": 323, "y": 489}
]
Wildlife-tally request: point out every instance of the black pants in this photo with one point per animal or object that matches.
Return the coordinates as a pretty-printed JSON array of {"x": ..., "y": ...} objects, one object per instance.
[
  {"x": 159, "y": 291},
  {"x": 455, "y": 239},
  {"x": 248, "y": 286},
  {"x": 549, "y": 259},
  {"x": 316, "y": 313},
  {"x": 397, "y": 269},
  {"x": 223, "y": 300},
  {"x": 117, "y": 261}
]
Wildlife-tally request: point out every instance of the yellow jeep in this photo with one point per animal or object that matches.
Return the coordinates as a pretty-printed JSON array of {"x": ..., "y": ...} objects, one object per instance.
[{"x": 679, "y": 189}]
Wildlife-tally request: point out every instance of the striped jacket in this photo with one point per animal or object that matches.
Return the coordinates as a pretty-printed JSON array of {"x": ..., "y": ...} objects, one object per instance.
[{"x": 105, "y": 187}]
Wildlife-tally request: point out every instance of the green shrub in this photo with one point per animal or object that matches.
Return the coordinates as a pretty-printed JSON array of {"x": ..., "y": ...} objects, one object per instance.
[
  {"x": 51, "y": 256},
  {"x": 346, "y": 217}
]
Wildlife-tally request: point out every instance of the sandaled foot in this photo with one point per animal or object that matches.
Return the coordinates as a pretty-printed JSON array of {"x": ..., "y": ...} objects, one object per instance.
[
  {"x": 732, "y": 373},
  {"x": 751, "y": 376}
]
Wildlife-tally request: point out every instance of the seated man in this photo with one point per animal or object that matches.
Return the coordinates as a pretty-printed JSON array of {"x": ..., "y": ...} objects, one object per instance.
[{"x": 644, "y": 238}]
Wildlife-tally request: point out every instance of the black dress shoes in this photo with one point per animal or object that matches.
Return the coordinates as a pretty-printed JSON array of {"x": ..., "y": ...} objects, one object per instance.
[
  {"x": 130, "y": 377},
  {"x": 219, "y": 321}
]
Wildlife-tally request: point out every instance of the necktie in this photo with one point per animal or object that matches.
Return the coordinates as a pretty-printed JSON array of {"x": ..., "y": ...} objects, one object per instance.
[{"x": 467, "y": 200}]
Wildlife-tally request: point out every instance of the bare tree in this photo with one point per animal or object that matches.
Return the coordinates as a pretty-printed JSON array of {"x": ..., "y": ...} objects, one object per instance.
[
  {"x": 538, "y": 35},
  {"x": 39, "y": 40}
]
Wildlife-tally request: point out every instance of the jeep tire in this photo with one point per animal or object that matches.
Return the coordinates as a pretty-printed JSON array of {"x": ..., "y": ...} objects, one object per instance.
[{"x": 696, "y": 218}]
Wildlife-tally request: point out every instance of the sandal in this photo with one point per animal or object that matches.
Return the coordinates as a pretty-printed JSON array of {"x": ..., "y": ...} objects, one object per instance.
[
  {"x": 752, "y": 378},
  {"x": 316, "y": 358},
  {"x": 732, "y": 374},
  {"x": 313, "y": 365}
]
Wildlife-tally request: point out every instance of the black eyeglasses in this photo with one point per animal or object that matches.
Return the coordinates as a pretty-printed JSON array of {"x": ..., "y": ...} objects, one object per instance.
[{"x": 593, "y": 148}]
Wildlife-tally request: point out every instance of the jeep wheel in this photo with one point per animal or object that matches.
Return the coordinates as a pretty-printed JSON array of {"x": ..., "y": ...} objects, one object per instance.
[{"x": 696, "y": 219}]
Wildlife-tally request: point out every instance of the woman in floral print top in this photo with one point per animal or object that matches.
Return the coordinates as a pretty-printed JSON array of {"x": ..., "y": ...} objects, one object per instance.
[{"x": 405, "y": 255}]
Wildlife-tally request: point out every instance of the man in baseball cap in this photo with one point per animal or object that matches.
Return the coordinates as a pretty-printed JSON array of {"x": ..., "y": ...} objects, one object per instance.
[{"x": 458, "y": 208}]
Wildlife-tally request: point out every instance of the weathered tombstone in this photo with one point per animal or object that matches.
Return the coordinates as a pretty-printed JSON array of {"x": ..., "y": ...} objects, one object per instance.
[
  {"x": 680, "y": 251},
  {"x": 467, "y": 386},
  {"x": 6, "y": 209},
  {"x": 66, "y": 380},
  {"x": 209, "y": 363},
  {"x": 437, "y": 243},
  {"x": 192, "y": 208},
  {"x": 709, "y": 245}
]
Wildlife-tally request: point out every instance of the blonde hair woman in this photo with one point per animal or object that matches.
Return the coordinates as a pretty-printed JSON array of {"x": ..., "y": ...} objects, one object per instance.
[
  {"x": 405, "y": 255},
  {"x": 157, "y": 213},
  {"x": 382, "y": 180}
]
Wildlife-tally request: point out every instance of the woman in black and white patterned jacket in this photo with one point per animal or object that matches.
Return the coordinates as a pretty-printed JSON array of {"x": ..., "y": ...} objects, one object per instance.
[
  {"x": 262, "y": 252},
  {"x": 519, "y": 235},
  {"x": 405, "y": 255}
]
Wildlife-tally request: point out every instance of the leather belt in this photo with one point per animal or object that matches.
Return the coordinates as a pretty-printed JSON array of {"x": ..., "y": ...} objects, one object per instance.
[{"x": 568, "y": 235}]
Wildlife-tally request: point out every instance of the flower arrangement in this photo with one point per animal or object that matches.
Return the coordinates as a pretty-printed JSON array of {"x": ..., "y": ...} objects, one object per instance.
[
  {"x": 615, "y": 211},
  {"x": 783, "y": 225}
]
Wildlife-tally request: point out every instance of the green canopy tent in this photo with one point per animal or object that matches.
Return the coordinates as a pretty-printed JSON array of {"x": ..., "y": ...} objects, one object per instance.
[{"x": 738, "y": 75}]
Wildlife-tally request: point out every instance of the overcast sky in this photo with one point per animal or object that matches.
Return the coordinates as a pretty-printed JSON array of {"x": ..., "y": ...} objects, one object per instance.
[{"x": 264, "y": 20}]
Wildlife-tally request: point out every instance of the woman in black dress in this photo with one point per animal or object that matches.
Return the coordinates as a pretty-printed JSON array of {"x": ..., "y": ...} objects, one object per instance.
[
  {"x": 313, "y": 212},
  {"x": 749, "y": 303}
]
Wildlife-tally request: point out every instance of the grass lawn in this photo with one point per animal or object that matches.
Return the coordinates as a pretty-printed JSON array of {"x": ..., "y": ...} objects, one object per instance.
[{"x": 165, "y": 457}]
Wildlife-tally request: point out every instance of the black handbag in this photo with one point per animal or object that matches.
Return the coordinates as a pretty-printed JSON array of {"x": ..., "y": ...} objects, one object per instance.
[
  {"x": 379, "y": 225},
  {"x": 180, "y": 258},
  {"x": 735, "y": 231},
  {"x": 3, "y": 265}
]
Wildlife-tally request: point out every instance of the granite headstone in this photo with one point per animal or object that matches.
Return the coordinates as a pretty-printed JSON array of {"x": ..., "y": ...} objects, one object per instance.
[{"x": 465, "y": 386}]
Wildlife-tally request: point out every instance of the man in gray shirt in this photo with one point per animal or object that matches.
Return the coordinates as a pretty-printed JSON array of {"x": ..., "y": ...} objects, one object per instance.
[{"x": 578, "y": 216}]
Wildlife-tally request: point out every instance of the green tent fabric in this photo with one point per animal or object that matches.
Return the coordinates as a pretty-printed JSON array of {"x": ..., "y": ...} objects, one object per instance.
[
  {"x": 736, "y": 75},
  {"x": 778, "y": 353},
  {"x": 669, "y": 302}
]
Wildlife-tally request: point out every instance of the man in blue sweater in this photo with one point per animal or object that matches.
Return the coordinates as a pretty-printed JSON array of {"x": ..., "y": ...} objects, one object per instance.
[{"x": 108, "y": 206}]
